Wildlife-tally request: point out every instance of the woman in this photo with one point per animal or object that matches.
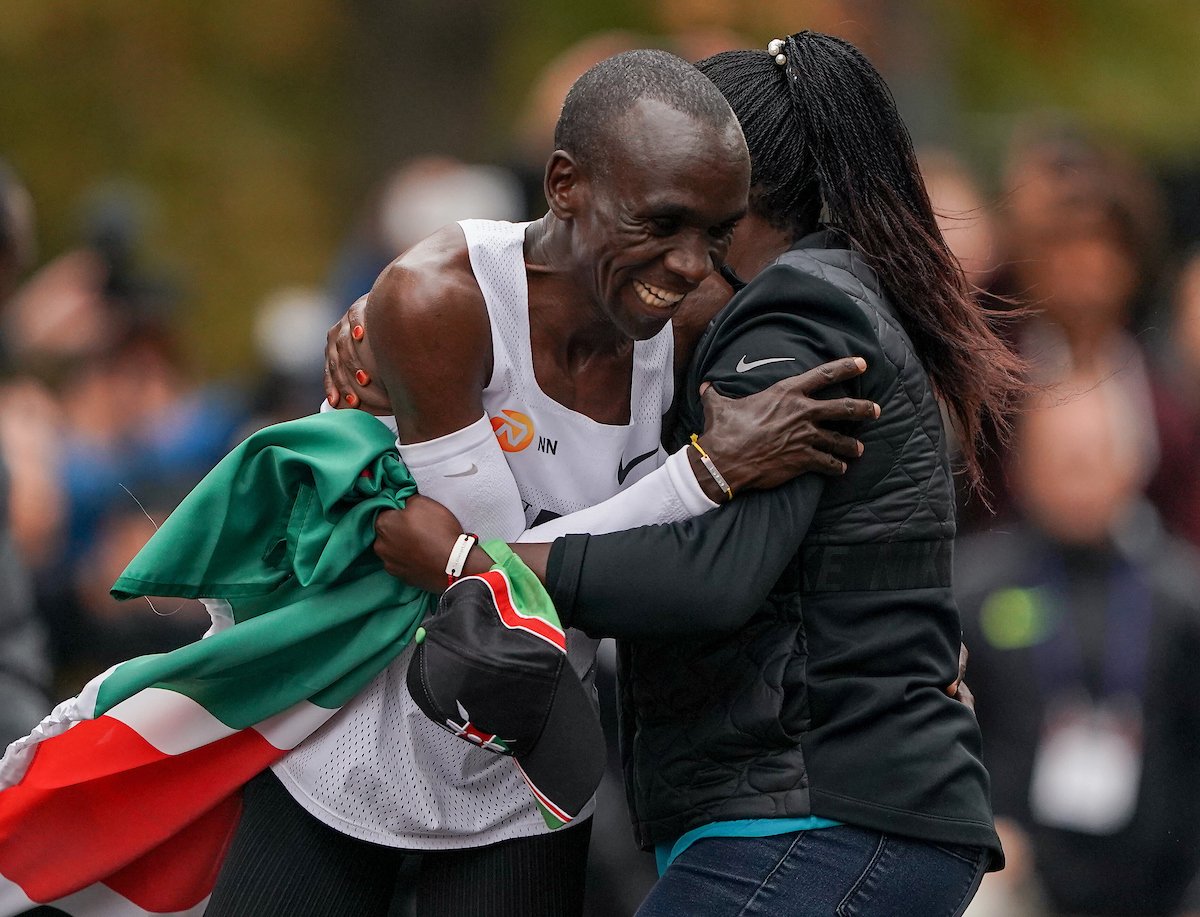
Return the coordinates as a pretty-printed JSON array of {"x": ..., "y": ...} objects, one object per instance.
[{"x": 789, "y": 746}]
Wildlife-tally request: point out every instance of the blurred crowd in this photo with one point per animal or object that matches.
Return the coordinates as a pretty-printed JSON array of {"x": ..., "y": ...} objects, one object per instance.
[{"x": 1079, "y": 584}]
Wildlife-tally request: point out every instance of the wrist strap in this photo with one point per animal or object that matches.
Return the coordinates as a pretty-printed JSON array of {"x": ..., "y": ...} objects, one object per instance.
[
  {"x": 711, "y": 468},
  {"x": 458, "y": 556}
]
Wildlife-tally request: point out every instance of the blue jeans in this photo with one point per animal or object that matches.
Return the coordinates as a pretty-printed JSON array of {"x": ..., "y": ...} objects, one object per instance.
[{"x": 830, "y": 872}]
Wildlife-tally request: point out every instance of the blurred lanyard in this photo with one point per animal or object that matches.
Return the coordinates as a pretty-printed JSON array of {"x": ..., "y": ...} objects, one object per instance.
[
  {"x": 1088, "y": 765},
  {"x": 1127, "y": 616}
]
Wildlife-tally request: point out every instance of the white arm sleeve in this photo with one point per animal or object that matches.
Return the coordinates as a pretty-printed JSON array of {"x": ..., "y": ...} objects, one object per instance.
[
  {"x": 670, "y": 493},
  {"x": 466, "y": 472}
]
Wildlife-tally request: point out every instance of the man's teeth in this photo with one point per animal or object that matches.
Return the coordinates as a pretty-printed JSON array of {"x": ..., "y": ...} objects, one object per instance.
[{"x": 656, "y": 296}]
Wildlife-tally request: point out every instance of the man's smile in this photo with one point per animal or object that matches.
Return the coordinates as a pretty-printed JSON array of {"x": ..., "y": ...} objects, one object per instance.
[{"x": 657, "y": 297}]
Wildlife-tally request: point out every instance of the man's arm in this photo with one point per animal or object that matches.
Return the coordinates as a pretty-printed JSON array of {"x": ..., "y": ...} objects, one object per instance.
[
  {"x": 430, "y": 338},
  {"x": 431, "y": 341},
  {"x": 711, "y": 574},
  {"x": 706, "y": 575},
  {"x": 404, "y": 303}
]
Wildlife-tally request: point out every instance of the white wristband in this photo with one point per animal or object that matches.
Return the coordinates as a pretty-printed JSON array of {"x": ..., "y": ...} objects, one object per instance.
[{"x": 458, "y": 556}]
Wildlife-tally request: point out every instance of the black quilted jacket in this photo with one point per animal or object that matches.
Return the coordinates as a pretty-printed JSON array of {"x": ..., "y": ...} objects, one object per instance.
[{"x": 787, "y": 654}]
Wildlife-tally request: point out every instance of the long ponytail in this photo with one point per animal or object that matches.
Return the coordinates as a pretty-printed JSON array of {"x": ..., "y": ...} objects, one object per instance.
[{"x": 824, "y": 132}]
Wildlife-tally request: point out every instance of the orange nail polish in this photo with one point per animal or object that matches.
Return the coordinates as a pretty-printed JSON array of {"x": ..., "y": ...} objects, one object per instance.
[
  {"x": 357, "y": 332},
  {"x": 351, "y": 399},
  {"x": 362, "y": 377}
]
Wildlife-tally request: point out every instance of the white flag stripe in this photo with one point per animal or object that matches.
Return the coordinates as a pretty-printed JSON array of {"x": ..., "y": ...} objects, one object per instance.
[
  {"x": 171, "y": 722},
  {"x": 94, "y": 901},
  {"x": 174, "y": 723},
  {"x": 288, "y": 729},
  {"x": 12, "y": 899}
]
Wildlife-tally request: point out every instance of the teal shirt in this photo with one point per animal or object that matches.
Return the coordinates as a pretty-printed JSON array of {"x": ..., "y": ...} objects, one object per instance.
[{"x": 666, "y": 852}]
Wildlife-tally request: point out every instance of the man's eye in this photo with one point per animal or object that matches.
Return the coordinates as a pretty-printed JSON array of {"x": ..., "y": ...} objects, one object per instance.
[
  {"x": 664, "y": 226},
  {"x": 722, "y": 233}
]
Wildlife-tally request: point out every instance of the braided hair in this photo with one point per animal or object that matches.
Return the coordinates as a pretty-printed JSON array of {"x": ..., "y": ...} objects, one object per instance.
[{"x": 826, "y": 140}]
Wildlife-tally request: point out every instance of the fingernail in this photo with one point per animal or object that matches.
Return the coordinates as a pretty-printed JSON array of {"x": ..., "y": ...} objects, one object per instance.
[
  {"x": 860, "y": 362},
  {"x": 843, "y": 464},
  {"x": 357, "y": 332},
  {"x": 332, "y": 399},
  {"x": 351, "y": 399},
  {"x": 362, "y": 377},
  {"x": 860, "y": 448},
  {"x": 877, "y": 411}
]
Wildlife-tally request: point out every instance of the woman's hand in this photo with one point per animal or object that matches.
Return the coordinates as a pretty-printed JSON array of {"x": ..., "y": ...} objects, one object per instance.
[
  {"x": 764, "y": 439},
  {"x": 958, "y": 688},
  {"x": 414, "y": 543},
  {"x": 350, "y": 366}
]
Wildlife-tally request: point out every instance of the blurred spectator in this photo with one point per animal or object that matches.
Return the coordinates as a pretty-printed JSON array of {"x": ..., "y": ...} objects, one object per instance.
[
  {"x": 102, "y": 412},
  {"x": 135, "y": 430},
  {"x": 289, "y": 338},
  {"x": 1083, "y": 231},
  {"x": 84, "y": 300},
  {"x": 24, "y": 668},
  {"x": 94, "y": 631},
  {"x": 1176, "y": 487},
  {"x": 134, "y": 418},
  {"x": 1084, "y": 628},
  {"x": 963, "y": 215},
  {"x": 421, "y": 196},
  {"x": 1080, "y": 236}
]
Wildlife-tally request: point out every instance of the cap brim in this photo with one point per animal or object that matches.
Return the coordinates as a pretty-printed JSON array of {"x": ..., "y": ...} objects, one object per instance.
[{"x": 564, "y": 768}]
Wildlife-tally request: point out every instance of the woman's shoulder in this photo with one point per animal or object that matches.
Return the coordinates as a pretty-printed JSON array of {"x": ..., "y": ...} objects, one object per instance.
[{"x": 784, "y": 296}]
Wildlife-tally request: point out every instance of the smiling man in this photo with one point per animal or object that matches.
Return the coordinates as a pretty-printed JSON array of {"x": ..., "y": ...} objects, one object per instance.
[{"x": 528, "y": 367}]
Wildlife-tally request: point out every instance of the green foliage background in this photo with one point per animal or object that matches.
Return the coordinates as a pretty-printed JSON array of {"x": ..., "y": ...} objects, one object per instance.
[{"x": 258, "y": 127}]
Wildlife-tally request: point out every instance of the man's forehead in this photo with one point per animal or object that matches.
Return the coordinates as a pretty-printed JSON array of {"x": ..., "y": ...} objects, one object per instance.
[
  {"x": 651, "y": 123},
  {"x": 654, "y": 149}
]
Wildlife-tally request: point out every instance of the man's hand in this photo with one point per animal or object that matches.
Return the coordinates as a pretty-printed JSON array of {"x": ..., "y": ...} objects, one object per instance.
[
  {"x": 350, "y": 376},
  {"x": 764, "y": 439},
  {"x": 958, "y": 688},
  {"x": 414, "y": 543}
]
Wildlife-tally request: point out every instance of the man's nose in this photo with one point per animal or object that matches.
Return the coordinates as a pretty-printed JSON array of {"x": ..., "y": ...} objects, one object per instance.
[{"x": 691, "y": 260}]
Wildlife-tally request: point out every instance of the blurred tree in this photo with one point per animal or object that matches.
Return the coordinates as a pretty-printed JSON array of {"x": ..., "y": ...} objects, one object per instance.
[
  {"x": 228, "y": 114},
  {"x": 256, "y": 128},
  {"x": 1126, "y": 68}
]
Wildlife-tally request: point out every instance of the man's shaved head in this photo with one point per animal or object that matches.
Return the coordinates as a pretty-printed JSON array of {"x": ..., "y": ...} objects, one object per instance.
[{"x": 607, "y": 92}]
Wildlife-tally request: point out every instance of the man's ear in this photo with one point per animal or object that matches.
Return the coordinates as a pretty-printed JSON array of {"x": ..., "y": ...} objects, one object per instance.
[{"x": 566, "y": 186}]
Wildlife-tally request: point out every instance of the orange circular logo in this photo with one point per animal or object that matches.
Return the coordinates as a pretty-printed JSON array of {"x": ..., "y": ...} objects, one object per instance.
[{"x": 513, "y": 429}]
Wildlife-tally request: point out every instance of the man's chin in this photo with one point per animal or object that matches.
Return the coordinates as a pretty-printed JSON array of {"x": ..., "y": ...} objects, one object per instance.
[{"x": 642, "y": 321}]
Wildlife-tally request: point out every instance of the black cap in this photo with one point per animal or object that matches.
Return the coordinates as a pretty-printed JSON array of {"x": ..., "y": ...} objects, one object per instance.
[{"x": 491, "y": 667}]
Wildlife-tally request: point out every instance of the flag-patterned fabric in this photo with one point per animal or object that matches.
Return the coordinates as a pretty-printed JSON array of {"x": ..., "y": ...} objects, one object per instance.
[{"x": 123, "y": 801}]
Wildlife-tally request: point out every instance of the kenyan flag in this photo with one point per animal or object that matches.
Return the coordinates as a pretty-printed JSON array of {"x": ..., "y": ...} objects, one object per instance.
[{"x": 124, "y": 800}]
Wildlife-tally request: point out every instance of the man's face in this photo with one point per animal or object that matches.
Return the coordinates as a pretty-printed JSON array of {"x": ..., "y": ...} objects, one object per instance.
[{"x": 659, "y": 220}]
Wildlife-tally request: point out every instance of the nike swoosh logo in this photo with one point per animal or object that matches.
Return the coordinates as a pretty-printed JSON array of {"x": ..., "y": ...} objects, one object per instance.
[
  {"x": 745, "y": 365},
  {"x": 462, "y": 474},
  {"x": 623, "y": 470}
]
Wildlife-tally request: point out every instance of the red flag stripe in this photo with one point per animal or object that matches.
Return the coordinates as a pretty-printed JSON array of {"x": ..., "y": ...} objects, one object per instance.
[
  {"x": 61, "y": 835},
  {"x": 512, "y": 617}
]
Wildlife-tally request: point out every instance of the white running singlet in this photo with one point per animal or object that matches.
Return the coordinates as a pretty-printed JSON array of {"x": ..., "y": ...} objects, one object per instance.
[{"x": 379, "y": 770}]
